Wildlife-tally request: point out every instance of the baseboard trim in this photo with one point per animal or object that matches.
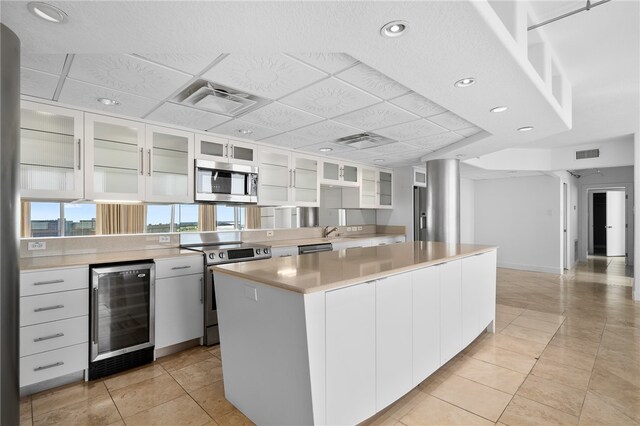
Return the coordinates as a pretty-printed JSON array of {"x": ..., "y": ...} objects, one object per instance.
[{"x": 532, "y": 268}]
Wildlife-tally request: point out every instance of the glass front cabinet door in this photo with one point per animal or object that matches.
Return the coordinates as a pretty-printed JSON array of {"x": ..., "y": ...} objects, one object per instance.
[
  {"x": 385, "y": 186},
  {"x": 51, "y": 152},
  {"x": 305, "y": 181}
]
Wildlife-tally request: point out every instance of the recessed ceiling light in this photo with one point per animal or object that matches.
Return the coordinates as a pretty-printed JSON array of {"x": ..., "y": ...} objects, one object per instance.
[
  {"x": 461, "y": 155},
  {"x": 245, "y": 131},
  {"x": 107, "y": 101},
  {"x": 499, "y": 109},
  {"x": 378, "y": 160},
  {"x": 47, "y": 12},
  {"x": 325, "y": 149},
  {"x": 394, "y": 29},
  {"x": 465, "y": 82},
  {"x": 525, "y": 128}
]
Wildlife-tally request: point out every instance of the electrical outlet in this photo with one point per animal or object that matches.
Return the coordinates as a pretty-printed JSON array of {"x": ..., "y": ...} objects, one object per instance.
[
  {"x": 359, "y": 228},
  {"x": 37, "y": 245},
  {"x": 348, "y": 229},
  {"x": 164, "y": 239},
  {"x": 269, "y": 233}
]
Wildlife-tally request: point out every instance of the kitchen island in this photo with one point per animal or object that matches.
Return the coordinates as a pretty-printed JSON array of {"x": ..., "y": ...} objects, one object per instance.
[{"x": 335, "y": 337}]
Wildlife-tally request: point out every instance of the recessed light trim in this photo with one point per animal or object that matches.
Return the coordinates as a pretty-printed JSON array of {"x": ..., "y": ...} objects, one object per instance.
[
  {"x": 394, "y": 29},
  {"x": 499, "y": 109},
  {"x": 525, "y": 128},
  {"x": 108, "y": 102},
  {"x": 245, "y": 131},
  {"x": 378, "y": 160},
  {"x": 47, "y": 12},
  {"x": 465, "y": 82},
  {"x": 325, "y": 149},
  {"x": 461, "y": 155}
]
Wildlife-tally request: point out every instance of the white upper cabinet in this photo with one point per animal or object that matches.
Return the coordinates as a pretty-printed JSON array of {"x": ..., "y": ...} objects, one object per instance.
[
  {"x": 115, "y": 158},
  {"x": 51, "y": 152},
  {"x": 376, "y": 189},
  {"x": 306, "y": 182},
  {"x": 419, "y": 176},
  {"x": 287, "y": 179},
  {"x": 169, "y": 168},
  {"x": 339, "y": 173},
  {"x": 385, "y": 189},
  {"x": 214, "y": 148}
]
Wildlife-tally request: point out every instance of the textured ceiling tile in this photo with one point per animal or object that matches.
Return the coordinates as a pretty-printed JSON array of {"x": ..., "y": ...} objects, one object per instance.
[
  {"x": 270, "y": 76},
  {"x": 391, "y": 149},
  {"x": 377, "y": 116},
  {"x": 469, "y": 132},
  {"x": 327, "y": 130},
  {"x": 50, "y": 63},
  {"x": 418, "y": 105},
  {"x": 328, "y": 62},
  {"x": 329, "y": 98},
  {"x": 38, "y": 84},
  {"x": 336, "y": 149},
  {"x": 289, "y": 140},
  {"x": 436, "y": 141},
  {"x": 353, "y": 155},
  {"x": 450, "y": 121},
  {"x": 411, "y": 130},
  {"x": 187, "y": 62},
  {"x": 127, "y": 74},
  {"x": 184, "y": 116},
  {"x": 280, "y": 117},
  {"x": 232, "y": 128},
  {"x": 373, "y": 81}
]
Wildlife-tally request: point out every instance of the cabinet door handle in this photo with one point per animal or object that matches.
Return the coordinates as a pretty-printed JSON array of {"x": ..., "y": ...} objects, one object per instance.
[
  {"x": 225, "y": 150},
  {"x": 149, "y": 170},
  {"x": 289, "y": 178},
  {"x": 53, "y": 336},
  {"x": 44, "y": 367},
  {"x": 294, "y": 178},
  {"x": 94, "y": 316},
  {"x": 79, "y": 154},
  {"x": 232, "y": 153},
  {"x": 48, "y": 308},
  {"x": 201, "y": 290},
  {"x": 181, "y": 267},
  {"x": 142, "y": 161},
  {"x": 48, "y": 282}
]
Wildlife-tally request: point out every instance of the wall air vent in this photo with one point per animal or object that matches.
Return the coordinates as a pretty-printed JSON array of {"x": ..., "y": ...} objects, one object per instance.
[
  {"x": 587, "y": 153},
  {"x": 364, "y": 140},
  {"x": 213, "y": 97}
]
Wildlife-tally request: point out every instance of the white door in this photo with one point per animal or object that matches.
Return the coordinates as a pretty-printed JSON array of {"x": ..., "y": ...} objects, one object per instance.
[{"x": 616, "y": 243}]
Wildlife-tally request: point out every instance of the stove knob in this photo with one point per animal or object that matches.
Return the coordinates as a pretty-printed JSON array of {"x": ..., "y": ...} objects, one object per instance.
[
  {"x": 257, "y": 251},
  {"x": 265, "y": 251},
  {"x": 221, "y": 255},
  {"x": 211, "y": 255}
]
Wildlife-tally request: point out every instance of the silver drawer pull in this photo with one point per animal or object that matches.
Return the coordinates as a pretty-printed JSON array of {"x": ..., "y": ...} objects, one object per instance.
[
  {"x": 48, "y": 282},
  {"x": 44, "y": 367},
  {"x": 48, "y": 308},
  {"x": 180, "y": 267},
  {"x": 53, "y": 336}
]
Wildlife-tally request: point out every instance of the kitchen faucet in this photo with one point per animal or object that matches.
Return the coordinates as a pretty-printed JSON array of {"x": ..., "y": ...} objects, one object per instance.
[{"x": 326, "y": 232}]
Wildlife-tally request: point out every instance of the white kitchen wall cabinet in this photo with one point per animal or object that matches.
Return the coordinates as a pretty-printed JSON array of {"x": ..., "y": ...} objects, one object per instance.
[
  {"x": 419, "y": 176},
  {"x": 339, "y": 173},
  {"x": 451, "y": 312},
  {"x": 426, "y": 322},
  {"x": 214, "y": 148},
  {"x": 306, "y": 182},
  {"x": 51, "y": 152},
  {"x": 169, "y": 167},
  {"x": 385, "y": 189},
  {"x": 369, "y": 189},
  {"x": 288, "y": 179},
  {"x": 115, "y": 158}
]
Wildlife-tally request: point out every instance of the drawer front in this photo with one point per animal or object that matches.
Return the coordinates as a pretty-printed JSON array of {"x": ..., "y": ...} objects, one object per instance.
[
  {"x": 53, "y": 280},
  {"x": 51, "y": 364},
  {"x": 176, "y": 266},
  {"x": 53, "y": 335},
  {"x": 53, "y": 307}
]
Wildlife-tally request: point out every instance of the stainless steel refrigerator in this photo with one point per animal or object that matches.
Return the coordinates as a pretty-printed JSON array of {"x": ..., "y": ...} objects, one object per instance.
[{"x": 419, "y": 213}]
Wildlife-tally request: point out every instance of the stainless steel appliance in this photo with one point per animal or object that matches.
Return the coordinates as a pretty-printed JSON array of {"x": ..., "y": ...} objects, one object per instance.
[
  {"x": 218, "y": 254},
  {"x": 226, "y": 183},
  {"x": 314, "y": 248},
  {"x": 122, "y": 331},
  {"x": 419, "y": 213}
]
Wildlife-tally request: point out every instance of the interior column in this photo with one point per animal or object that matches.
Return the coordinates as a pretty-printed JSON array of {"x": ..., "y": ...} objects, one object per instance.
[{"x": 443, "y": 200}]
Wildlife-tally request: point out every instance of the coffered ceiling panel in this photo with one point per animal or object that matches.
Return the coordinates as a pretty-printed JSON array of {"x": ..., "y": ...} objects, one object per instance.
[
  {"x": 289, "y": 140},
  {"x": 436, "y": 141},
  {"x": 127, "y": 74},
  {"x": 469, "y": 132},
  {"x": 50, "y": 63},
  {"x": 418, "y": 105},
  {"x": 280, "y": 117},
  {"x": 329, "y": 98},
  {"x": 86, "y": 95},
  {"x": 238, "y": 128},
  {"x": 335, "y": 148},
  {"x": 451, "y": 121},
  {"x": 190, "y": 63},
  {"x": 327, "y": 130},
  {"x": 377, "y": 116},
  {"x": 38, "y": 84},
  {"x": 328, "y": 62},
  {"x": 270, "y": 76},
  {"x": 412, "y": 130},
  {"x": 185, "y": 116},
  {"x": 373, "y": 81}
]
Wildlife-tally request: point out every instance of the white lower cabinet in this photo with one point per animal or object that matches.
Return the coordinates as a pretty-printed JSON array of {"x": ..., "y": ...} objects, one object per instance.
[
  {"x": 426, "y": 322},
  {"x": 350, "y": 353},
  {"x": 51, "y": 364},
  {"x": 393, "y": 339},
  {"x": 451, "y": 310},
  {"x": 478, "y": 294},
  {"x": 284, "y": 251}
]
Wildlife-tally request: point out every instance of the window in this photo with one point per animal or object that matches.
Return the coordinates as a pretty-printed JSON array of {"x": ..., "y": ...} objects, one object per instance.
[
  {"x": 226, "y": 218},
  {"x": 45, "y": 220},
  {"x": 79, "y": 219},
  {"x": 186, "y": 218},
  {"x": 158, "y": 218}
]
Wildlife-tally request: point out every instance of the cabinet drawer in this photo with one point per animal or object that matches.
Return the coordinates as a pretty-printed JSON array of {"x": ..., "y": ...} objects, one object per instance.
[
  {"x": 53, "y": 335},
  {"x": 51, "y": 364},
  {"x": 52, "y": 280},
  {"x": 53, "y": 307},
  {"x": 176, "y": 266}
]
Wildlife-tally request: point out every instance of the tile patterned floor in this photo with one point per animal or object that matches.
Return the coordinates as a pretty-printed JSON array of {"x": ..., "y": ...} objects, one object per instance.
[{"x": 566, "y": 351}]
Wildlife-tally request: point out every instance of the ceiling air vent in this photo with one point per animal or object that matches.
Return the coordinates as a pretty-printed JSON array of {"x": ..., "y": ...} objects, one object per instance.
[
  {"x": 364, "y": 140},
  {"x": 213, "y": 97},
  {"x": 587, "y": 153}
]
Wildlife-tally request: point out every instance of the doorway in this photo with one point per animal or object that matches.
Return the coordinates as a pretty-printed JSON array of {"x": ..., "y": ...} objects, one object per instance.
[{"x": 607, "y": 223}]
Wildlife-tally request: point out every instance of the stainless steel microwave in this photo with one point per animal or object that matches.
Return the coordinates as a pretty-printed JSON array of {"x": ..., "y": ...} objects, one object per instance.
[{"x": 226, "y": 183}]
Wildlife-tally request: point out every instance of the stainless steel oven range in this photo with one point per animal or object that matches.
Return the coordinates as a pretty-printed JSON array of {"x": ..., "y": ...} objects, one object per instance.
[{"x": 218, "y": 254}]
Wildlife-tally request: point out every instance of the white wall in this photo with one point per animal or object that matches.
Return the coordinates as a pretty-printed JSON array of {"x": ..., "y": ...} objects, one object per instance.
[
  {"x": 467, "y": 211},
  {"x": 331, "y": 201},
  {"x": 636, "y": 192},
  {"x": 522, "y": 216}
]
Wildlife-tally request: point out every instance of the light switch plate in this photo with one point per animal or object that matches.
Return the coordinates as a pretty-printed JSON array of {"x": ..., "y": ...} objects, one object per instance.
[
  {"x": 164, "y": 239},
  {"x": 269, "y": 233},
  {"x": 37, "y": 245}
]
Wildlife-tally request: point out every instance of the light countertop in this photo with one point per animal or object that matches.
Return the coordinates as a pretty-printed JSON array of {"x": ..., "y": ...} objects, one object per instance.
[
  {"x": 320, "y": 240},
  {"x": 330, "y": 270}
]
